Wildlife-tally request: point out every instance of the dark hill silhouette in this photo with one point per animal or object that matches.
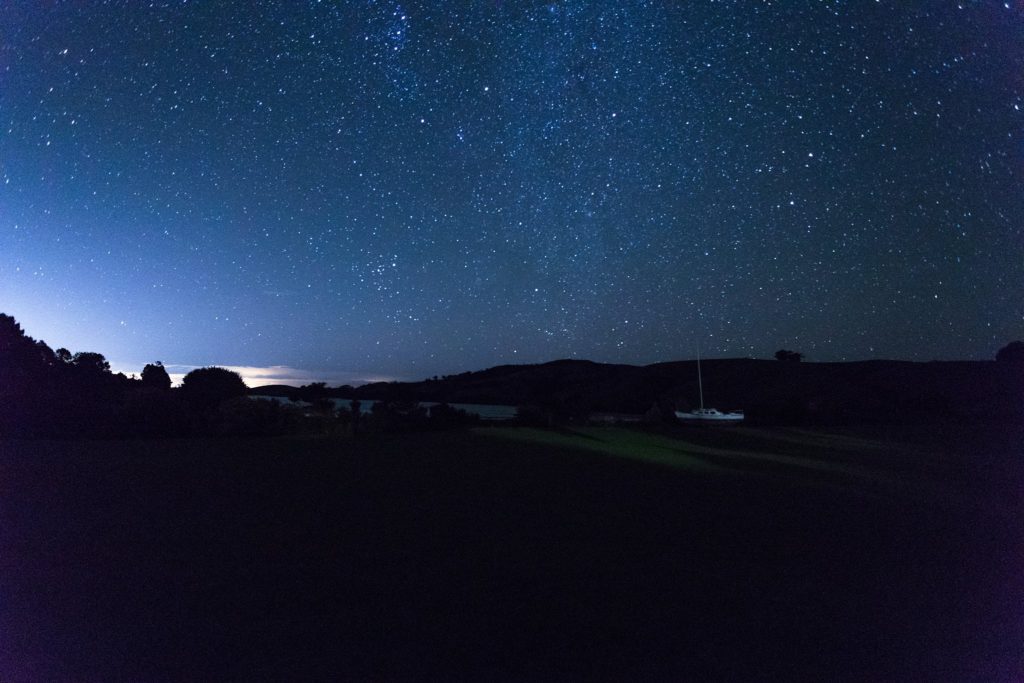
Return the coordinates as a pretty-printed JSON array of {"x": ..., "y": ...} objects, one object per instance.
[
  {"x": 770, "y": 391},
  {"x": 57, "y": 393}
]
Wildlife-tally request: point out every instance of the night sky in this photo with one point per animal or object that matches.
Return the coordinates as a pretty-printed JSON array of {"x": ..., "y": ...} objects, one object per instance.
[{"x": 371, "y": 189}]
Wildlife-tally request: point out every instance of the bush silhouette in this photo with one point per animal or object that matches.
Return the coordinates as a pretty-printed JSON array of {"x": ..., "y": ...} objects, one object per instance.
[
  {"x": 258, "y": 417},
  {"x": 1011, "y": 353},
  {"x": 208, "y": 387},
  {"x": 789, "y": 356},
  {"x": 154, "y": 376},
  {"x": 444, "y": 416}
]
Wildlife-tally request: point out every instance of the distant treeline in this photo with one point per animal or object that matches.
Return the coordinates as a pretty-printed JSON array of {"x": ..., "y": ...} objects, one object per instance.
[
  {"x": 47, "y": 393},
  {"x": 769, "y": 391},
  {"x": 59, "y": 394}
]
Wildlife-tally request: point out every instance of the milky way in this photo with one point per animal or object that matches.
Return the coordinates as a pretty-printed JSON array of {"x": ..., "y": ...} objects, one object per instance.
[{"x": 419, "y": 188}]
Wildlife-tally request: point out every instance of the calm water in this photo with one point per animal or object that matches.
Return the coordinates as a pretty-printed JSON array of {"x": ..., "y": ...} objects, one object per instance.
[{"x": 486, "y": 412}]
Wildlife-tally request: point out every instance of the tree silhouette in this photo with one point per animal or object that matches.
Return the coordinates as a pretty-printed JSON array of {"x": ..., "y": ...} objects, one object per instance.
[
  {"x": 45, "y": 393},
  {"x": 316, "y": 394},
  {"x": 155, "y": 376},
  {"x": 356, "y": 408},
  {"x": 24, "y": 362},
  {"x": 207, "y": 387},
  {"x": 313, "y": 392},
  {"x": 90, "y": 363},
  {"x": 11, "y": 333},
  {"x": 789, "y": 356},
  {"x": 1011, "y": 353}
]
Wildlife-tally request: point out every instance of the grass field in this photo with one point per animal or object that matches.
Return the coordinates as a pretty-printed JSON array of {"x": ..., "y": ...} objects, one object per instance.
[
  {"x": 503, "y": 553},
  {"x": 933, "y": 467}
]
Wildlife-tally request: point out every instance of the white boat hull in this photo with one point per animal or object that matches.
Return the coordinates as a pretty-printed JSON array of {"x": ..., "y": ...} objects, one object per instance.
[{"x": 709, "y": 415}]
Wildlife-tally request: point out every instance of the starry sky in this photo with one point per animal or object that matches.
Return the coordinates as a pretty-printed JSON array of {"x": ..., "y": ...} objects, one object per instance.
[{"x": 365, "y": 189}]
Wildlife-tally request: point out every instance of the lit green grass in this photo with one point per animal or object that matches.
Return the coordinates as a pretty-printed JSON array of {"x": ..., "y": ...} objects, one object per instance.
[
  {"x": 748, "y": 453},
  {"x": 871, "y": 463},
  {"x": 616, "y": 442}
]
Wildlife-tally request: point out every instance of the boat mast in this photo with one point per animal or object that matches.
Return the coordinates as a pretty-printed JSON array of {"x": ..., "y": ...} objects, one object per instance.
[{"x": 700, "y": 383}]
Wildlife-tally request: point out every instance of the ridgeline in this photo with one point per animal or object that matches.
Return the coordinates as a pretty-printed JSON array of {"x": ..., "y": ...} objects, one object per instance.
[{"x": 770, "y": 391}]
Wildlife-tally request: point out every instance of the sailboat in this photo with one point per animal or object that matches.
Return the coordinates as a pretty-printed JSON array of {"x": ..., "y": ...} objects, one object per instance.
[{"x": 703, "y": 414}]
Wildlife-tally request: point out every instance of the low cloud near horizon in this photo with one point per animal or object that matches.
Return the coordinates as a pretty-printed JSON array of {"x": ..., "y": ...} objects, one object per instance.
[{"x": 271, "y": 374}]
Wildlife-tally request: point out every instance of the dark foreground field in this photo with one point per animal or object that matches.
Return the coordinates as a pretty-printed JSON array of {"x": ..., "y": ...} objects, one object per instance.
[{"x": 497, "y": 554}]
